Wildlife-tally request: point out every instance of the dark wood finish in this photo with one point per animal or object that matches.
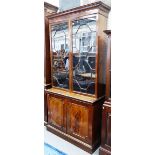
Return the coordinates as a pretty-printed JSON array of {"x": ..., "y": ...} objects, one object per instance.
[
  {"x": 48, "y": 9},
  {"x": 96, "y": 128},
  {"x": 106, "y": 123},
  {"x": 103, "y": 151},
  {"x": 56, "y": 111},
  {"x": 47, "y": 67},
  {"x": 79, "y": 120},
  {"x": 45, "y": 109},
  {"x": 105, "y": 148},
  {"x": 76, "y": 116},
  {"x": 108, "y": 66},
  {"x": 106, "y": 129},
  {"x": 73, "y": 140},
  {"x": 47, "y": 62},
  {"x": 101, "y": 54}
]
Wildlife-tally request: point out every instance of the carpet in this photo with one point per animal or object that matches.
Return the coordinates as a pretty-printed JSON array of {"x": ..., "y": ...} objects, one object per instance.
[{"x": 50, "y": 150}]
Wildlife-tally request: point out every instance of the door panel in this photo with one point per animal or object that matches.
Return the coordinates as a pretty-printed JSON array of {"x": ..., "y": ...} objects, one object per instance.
[
  {"x": 55, "y": 111},
  {"x": 77, "y": 121},
  {"x": 106, "y": 128}
]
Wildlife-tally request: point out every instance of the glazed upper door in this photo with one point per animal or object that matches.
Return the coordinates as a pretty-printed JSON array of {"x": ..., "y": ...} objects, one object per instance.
[
  {"x": 82, "y": 38},
  {"x": 60, "y": 55},
  {"x": 84, "y": 54}
]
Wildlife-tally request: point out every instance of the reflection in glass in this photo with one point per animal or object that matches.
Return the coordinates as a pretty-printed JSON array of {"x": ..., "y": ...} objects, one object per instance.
[
  {"x": 60, "y": 66},
  {"x": 84, "y": 55}
]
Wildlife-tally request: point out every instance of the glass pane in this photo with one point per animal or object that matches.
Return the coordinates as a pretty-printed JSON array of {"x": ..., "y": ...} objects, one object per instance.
[
  {"x": 60, "y": 59},
  {"x": 84, "y": 55}
]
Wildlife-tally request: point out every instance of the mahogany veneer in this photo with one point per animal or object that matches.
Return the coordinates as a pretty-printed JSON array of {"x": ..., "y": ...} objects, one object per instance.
[
  {"x": 74, "y": 119},
  {"x": 105, "y": 148}
]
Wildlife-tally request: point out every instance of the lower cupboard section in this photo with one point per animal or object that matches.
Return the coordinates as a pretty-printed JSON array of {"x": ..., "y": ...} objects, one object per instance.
[{"x": 76, "y": 121}]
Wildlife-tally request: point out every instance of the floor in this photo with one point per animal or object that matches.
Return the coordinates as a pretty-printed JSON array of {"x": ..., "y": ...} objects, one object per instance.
[{"x": 63, "y": 145}]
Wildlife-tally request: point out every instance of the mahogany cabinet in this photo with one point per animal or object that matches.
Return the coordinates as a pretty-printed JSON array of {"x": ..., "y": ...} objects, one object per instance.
[
  {"x": 105, "y": 148},
  {"x": 75, "y": 68}
]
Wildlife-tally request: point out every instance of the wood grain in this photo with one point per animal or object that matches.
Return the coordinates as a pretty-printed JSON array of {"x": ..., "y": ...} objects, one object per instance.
[
  {"x": 73, "y": 95},
  {"x": 77, "y": 120},
  {"x": 106, "y": 129},
  {"x": 55, "y": 111}
]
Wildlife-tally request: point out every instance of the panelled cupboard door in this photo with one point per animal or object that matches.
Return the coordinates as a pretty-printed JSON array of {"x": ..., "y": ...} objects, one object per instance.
[
  {"x": 109, "y": 129},
  {"x": 107, "y": 125},
  {"x": 56, "y": 112},
  {"x": 105, "y": 148},
  {"x": 78, "y": 121}
]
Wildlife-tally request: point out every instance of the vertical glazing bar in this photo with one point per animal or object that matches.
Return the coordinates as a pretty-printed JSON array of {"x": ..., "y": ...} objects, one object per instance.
[{"x": 70, "y": 56}]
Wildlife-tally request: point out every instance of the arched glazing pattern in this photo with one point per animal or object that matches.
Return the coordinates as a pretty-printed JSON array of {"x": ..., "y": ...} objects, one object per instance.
[
  {"x": 60, "y": 56},
  {"x": 84, "y": 55}
]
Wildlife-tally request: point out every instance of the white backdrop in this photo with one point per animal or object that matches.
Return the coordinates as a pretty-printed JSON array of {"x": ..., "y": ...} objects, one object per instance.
[{"x": 53, "y": 2}]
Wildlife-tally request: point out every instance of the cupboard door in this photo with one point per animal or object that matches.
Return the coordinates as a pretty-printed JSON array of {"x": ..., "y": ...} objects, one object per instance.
[
  {"x": 109, "y": 129},
  {"x": 77, "y": 121},
  {"x": 56, "y": 112},
  {"x": 106, "y": 126}
]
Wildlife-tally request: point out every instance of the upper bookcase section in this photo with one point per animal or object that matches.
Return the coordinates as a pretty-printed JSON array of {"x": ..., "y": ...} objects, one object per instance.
[{"x": 78, "y": 49}]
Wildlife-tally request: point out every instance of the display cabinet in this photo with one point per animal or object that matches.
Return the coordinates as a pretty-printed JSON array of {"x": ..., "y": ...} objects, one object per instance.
[
  {"x": 77, "y": 67},
  {"x": 105, "y": 148}
]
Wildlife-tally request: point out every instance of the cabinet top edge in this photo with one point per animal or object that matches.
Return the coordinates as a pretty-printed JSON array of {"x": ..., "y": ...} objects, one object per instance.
[
  {"x": 72, "y": 95},
  {"x": 98, "y": 4}
]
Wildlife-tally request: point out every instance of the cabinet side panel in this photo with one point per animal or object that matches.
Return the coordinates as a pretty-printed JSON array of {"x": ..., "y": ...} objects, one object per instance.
[
  {"x": 45, "y": 107},
  {"x": 103, "y": 134},
  {"x": 47, "y": 64},
  {"x": 102, "y": 25},
  {"x": 109, "y": 129},
  {"x": 97, "y": 115}
]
